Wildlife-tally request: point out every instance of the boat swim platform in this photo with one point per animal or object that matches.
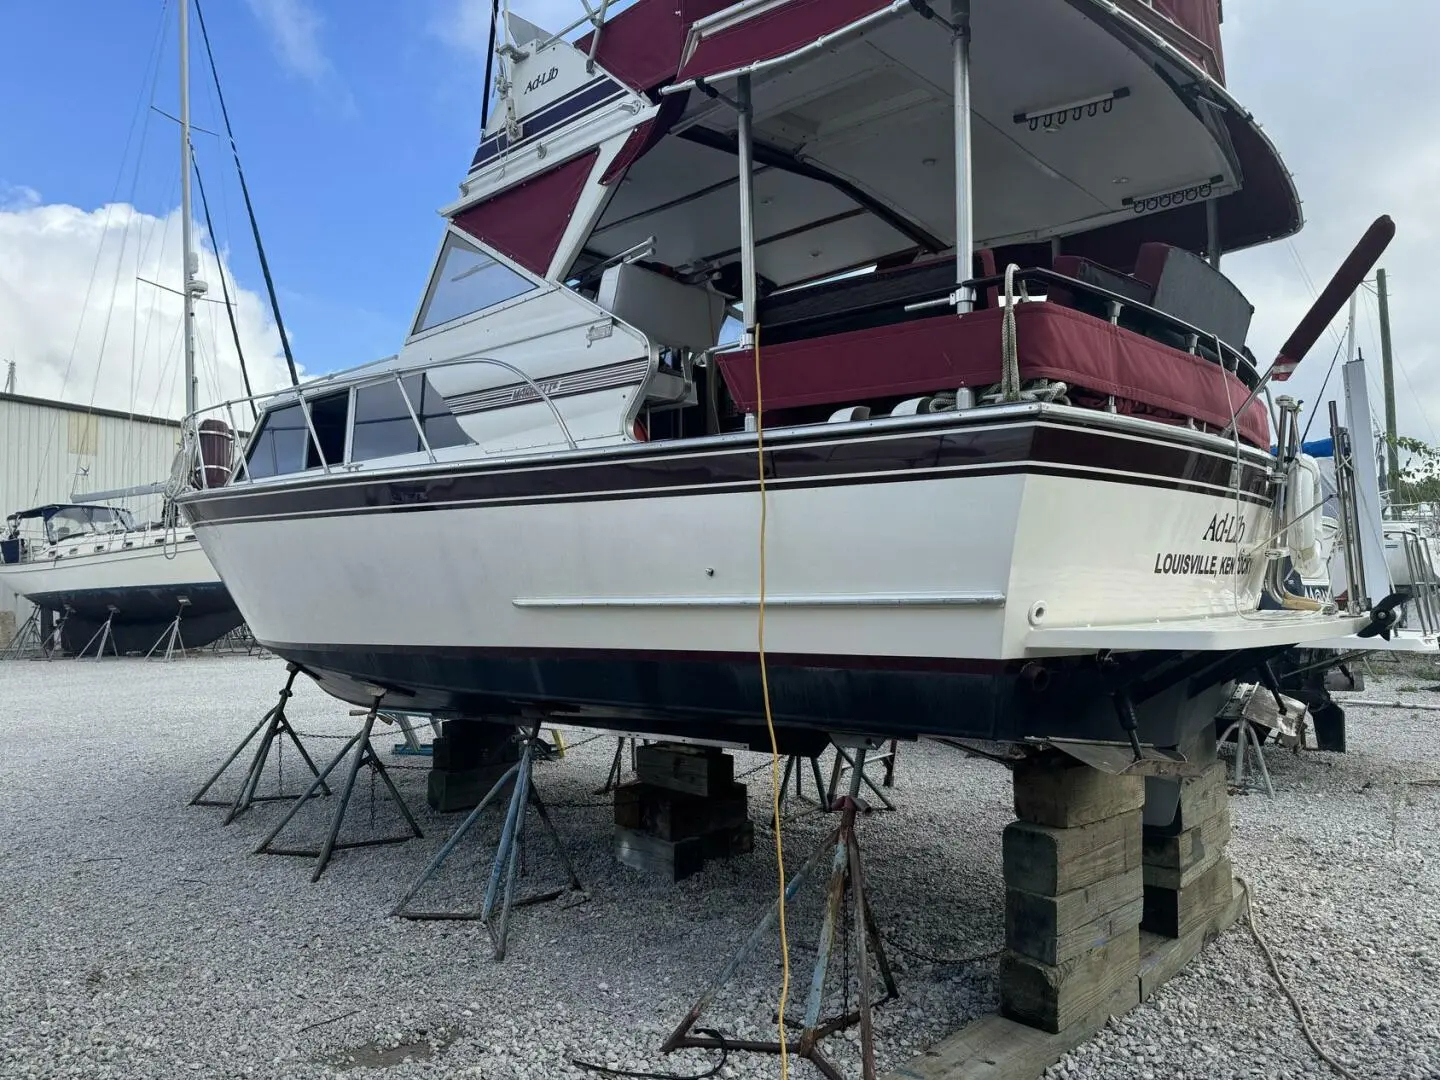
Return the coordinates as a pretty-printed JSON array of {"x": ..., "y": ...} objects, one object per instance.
[{"x": 1220, "y": 633}]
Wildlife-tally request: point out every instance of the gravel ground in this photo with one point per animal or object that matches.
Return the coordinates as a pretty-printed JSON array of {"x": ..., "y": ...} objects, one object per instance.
[{"x": 143, "y": 939}]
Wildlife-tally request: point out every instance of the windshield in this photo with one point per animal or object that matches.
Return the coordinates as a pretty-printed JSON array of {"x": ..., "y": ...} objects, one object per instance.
[{"x": 74, "y": 521}]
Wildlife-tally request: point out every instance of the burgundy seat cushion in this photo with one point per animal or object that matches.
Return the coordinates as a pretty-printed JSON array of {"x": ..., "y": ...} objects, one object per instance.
[{"x": 947, "y": 352}]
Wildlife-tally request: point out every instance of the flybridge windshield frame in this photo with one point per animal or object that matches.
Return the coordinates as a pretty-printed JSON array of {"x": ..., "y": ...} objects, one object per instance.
[{"x": 535, "y": 282}]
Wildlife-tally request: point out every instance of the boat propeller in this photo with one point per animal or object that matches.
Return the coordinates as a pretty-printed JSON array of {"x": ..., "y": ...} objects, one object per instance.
[{"x": 1383, "y": 617}]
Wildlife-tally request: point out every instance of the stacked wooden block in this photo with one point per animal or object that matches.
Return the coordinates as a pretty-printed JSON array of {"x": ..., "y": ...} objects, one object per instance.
[
  {"x": 468, "y": 757},
  {"x": 1188, "y": 879},
  {"x": 1074, "y": 894},
  {"x": 685, "y": 808}
]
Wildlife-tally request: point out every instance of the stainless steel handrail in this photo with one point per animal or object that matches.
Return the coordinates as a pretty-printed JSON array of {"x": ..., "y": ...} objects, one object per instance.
[{"x": 305, "y": 392}]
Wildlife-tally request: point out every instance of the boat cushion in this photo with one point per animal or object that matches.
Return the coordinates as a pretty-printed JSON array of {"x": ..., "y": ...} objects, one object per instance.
[{"x": 946, "y": 352}]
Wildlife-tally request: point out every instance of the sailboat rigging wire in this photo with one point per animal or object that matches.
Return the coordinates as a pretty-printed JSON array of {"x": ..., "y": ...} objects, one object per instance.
[
  {"x": 784, "y": 1039},
  {"x": 1321, "y": 395},
  {"x": 249, "y": 207},
  {"x": 99, "y": 250},
  {"x": 225, "y": 291}
]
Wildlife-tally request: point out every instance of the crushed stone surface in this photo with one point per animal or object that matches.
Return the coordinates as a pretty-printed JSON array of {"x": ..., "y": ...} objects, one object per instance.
[{"x": 140, "y": 937}]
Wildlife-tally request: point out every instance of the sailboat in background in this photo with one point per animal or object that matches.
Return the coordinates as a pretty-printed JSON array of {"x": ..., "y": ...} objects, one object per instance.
[{"x": 111, "y": 583}]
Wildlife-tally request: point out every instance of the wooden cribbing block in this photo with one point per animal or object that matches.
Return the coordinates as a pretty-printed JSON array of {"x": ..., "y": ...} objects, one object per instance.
[
  {"x": 697, "y": 770},
  {"x": 675, "y": 815},
  {"x": 1053, "y": 996},
  {"x": 1175, "y": 912},
  {"x": 1201, "y": 798},
  {"x": 1191, "y": 848},
  {"x": 1057, "y": 790},
  {"x": 1050, "y": 861},
  {"x": 1054, "y": 929}
]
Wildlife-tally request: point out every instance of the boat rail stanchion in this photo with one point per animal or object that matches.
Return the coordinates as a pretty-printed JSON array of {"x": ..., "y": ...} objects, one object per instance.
[
  {"x": 846, "y": 876},
  {"x": 103, "y": 635},
  {"x": 273, "y": 727},
  {"x": 171, "y": 635},
  {"x": 499, "y": 900},
  {"x": 364, "y": 755}
]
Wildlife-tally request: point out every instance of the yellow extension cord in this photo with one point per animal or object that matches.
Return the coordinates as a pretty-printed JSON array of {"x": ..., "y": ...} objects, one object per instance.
[{"x": 769, "y": 717}]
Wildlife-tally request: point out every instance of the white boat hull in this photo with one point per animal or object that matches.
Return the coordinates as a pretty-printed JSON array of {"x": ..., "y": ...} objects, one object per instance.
[{"x": 902, "y": 565}]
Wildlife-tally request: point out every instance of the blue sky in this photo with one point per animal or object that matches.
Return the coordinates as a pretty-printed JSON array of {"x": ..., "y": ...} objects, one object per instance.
[
  {"x": 356, "y": 121},
  {"x": 354, "y": 124}
]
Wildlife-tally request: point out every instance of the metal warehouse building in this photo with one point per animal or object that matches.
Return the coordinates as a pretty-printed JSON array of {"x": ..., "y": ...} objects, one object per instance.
[{"x": 50, "y": 450}]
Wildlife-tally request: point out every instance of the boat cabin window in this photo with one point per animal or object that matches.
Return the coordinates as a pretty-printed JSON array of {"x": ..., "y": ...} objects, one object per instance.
[
  {"x": 466, "y": 281},
  {"x": 330, "y": 415},
  {"x": 383, "y": 427},
  {"x": 79, "y": 520},
  {"x": 281, "y": 444}
]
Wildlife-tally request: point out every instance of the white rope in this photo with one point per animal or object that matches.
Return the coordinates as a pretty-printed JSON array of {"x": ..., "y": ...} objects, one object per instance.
[{"x": 1009, "y": 342}]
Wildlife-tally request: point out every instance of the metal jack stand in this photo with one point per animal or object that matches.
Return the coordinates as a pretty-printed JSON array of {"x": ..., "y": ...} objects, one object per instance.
[
  {"x": 617, "y": 768},
  {"x": 508, "y": 854},
  {"x": 103, "y": 634},
  {"x": 793, "y": 765},
  {"x": 27, "y": 639},
  {"x": 171, "y": 637},
  {"x": 844, "y": 763},
  {"x": 845, "y": 873},
  {"x": 276, "y": 726},
  {"x": 1245, "y": 738},
  {"x": 364, "y": 755}
]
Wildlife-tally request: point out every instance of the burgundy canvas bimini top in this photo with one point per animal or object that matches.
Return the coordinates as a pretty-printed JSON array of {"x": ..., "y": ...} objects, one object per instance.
[{"x": 774, "y": 33}]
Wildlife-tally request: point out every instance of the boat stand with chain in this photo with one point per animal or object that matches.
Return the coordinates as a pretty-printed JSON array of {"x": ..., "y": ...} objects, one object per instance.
[
  {"x": 508, "y": 854},
  {"x": 844, "y": 763},
  {"x": 846, "y": 875},
  {"x": 795, "y": 765},
  {"x": 364, "y": 755},
  {"x": 273, "y": 728},
  {"x": 103, "y": 635},
  {"x": 617, "y": 764},
  {"x": 171, "y": 635}
]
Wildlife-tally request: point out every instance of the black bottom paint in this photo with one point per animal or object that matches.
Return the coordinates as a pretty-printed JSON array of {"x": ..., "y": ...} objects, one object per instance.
[
  {"x": 721, "y": 697},
  {"x": 142, "y": 615}
]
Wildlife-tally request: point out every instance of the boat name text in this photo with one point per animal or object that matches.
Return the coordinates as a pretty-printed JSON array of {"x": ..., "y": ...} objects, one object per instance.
[
  {"x": 540, "y": 80},
  {"x": 1225, "y": 529}
]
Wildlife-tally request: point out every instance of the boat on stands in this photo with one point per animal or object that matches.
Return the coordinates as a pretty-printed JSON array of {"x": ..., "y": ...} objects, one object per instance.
[
  {"x": 105, "y": 582},
  {"x": 990, "y": 456}
]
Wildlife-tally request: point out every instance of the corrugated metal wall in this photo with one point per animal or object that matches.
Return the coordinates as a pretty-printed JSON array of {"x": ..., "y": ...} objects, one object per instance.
[{"x": 49, "y": 450}]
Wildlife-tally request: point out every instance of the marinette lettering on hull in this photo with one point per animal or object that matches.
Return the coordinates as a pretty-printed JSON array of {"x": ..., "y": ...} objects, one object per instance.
[{"x": 1223, "y": 529}]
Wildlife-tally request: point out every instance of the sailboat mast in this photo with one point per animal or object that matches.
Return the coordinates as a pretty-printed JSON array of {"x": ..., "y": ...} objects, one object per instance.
[{"x": 188, "y": 258}]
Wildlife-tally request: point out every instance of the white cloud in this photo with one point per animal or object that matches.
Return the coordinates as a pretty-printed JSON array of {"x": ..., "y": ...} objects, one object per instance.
[
  {"x": 465, "y": 24},
  {"x": 82, "y": 327},
  {"x": 294, "y": 28}
]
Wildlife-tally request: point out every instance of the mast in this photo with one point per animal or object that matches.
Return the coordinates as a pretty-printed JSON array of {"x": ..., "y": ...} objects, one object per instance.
[
  {"x": 189, "y": 290},
  {"x": 1392, "y": 453}
]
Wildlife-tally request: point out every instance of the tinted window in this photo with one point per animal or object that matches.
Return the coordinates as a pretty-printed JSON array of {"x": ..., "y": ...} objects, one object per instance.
[
  {"x": 329, "y": 415},
  {"x": 383, "y": 426},
  {"x": 280, "y": 447},
  {"x": 466, "y": 280}
]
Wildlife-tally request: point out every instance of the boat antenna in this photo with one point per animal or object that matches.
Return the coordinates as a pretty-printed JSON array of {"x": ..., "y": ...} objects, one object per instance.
[
  {"x": 489, "y": 66},
  {"x": 189, "y": 289},
  {"x": 1347, "y": 279},
  {"x": 249, "y": 208},
  {"x": 225, "y": 292}
]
